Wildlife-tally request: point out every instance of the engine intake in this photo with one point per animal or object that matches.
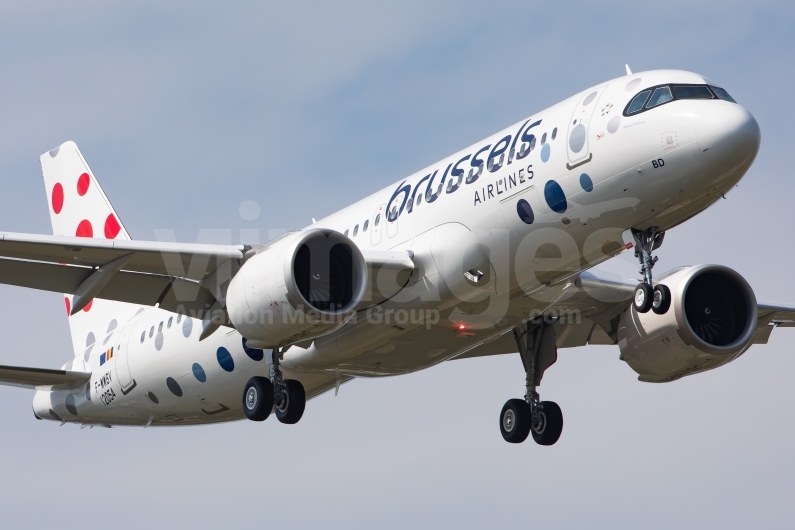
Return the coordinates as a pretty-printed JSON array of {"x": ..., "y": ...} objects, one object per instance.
[
  {"x": 711, "y": 321},
  {"x": 302, "y": 286}
]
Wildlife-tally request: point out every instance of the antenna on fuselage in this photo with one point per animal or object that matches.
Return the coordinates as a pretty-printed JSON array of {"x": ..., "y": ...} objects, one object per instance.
[{"x": 629, "y": 72}]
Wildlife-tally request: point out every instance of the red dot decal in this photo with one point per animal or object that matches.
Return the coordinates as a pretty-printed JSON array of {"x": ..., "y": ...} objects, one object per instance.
[
  {"x": 82, "y": 184},
  {"x": 84, "y": 229},
  {"x": 87, "y": 308},
  {"x": 112, "y": 227},
  {"x": 57, "y": 198},
  {"x": 68, "y": 307}
]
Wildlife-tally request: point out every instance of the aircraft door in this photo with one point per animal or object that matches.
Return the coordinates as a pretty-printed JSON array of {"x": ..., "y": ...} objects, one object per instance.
[
  {"x": 391, "y": 227},
  {"x": 578, "y": 137},
  {"x": 379, "y": 222},
  {"x": 123, "y": 374}
]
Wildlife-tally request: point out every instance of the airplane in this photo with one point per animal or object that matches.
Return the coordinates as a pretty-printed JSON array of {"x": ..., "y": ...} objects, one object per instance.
[{"x": 486, "y": 252}]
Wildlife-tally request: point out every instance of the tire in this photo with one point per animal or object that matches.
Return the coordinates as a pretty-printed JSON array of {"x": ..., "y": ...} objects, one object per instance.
[
  {"x": 551, "y": 424},
  {"x": 293, "y": 404},
  {"x": 642, "y": 298},
  {"x": 258, "y": 398},
  {"x": 515, "y": 421},
  {"x": 661, "y": 299}
]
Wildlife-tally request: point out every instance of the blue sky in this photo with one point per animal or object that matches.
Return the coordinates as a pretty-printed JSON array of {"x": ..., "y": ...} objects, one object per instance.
[{"x": 186, "y": 110}]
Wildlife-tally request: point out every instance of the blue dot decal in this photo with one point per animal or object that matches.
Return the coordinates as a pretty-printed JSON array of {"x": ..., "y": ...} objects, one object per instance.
[
  {"x": 172, "y": 385},
  {"x": 556, "y": 200},
  {"x": 545, "y": 153},
  {"x": 525, "y": 211},
  {"x": 586, "y": 182},
  {"x": 225, "y": 359},
  {"x": 255, "y": 354},
  {"x": 198, "y": 372}
]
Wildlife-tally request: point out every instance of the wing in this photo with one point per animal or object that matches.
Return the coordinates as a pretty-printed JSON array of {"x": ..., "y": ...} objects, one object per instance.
[
  {"x": 591, "y": 310},
  {"x": 773, "y": 315},
  {"x": 42, "y": 378},
  {"x": 139, "y": 272},
  {"x": 177, "y": 276}
]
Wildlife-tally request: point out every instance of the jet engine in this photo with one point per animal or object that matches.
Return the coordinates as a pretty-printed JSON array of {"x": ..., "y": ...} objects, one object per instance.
[
  {"x": 302, "y": 286},
  {"x": 711, "y": 321}
]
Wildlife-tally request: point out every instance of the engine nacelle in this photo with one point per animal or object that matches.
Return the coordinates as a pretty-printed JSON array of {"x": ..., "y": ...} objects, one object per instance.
[
  {"x": 301, "y": 287},
  {"x": 711, "y": 321}
]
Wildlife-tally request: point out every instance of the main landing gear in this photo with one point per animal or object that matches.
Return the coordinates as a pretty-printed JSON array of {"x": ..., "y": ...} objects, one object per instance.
[
  {"x": 647, "y": 295},
  {"x": 285, "y": 396},
  {"x": 520, "y": 417}
]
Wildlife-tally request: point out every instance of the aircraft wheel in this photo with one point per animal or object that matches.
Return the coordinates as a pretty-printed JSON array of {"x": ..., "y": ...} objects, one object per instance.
[
  {"x": 643, "y": 298},
  {"x": 515, "y": 420},
  {"x": 551, "y": 425},
  {"x": 293, "y": 402},
  {"x": 661, "y": 300},
  {"x": 258, "y": 398}
]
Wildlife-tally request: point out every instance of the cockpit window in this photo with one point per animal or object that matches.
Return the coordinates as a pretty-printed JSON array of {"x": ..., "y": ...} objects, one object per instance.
[
  {"x": 662, "y": 94},
  {"x": 637, "y": 103},
  {"x": 693, "y": 92},
  {"x": 722, "y": 94}
]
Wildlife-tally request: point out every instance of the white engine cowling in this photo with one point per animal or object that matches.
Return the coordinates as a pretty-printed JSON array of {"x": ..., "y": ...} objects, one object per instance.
[
  {"x": 303, "y": 286},
  {"x": 711, "y": 321}
]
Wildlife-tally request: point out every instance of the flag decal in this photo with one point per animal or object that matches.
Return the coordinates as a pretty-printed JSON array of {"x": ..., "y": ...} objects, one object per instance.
[{"x": 107, "y": 356}]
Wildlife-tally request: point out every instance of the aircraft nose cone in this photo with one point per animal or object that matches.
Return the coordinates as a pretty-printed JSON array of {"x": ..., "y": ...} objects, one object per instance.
[{"x": 728, "y": 133}]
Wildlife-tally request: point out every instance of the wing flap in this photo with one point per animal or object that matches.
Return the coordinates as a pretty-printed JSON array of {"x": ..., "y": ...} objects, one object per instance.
[{"x": 42, "y": 378}]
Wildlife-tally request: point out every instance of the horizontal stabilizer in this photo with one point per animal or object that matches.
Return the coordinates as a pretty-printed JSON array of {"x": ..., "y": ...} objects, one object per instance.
[{"x": 42, "y": 378}]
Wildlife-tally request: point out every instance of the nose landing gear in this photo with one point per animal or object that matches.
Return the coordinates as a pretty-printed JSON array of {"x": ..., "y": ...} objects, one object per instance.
[
  {"x": 647, "y": 295},
  {"x": 520, "y": 417},
  {"x": 286, "y": 396}
]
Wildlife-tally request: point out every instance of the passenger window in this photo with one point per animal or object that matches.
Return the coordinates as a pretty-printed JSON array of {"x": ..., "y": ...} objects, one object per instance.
[
  {"x": 722, "y": 94},
  {"x": 366, "y": 224},
  {"x": 179, "y": 318},
  {"x": 661, "y": 95},
  {"x": 345, "y": 233},
  {"x": 355, "y": 230},
  {"x": 692, "y": 92},
  {"x": 143, "y": 336},
  {"x": 378, "y": 218},
  {"x": 543, "y": 138},
  {"x": 170, "y": 320},
  {"x": 419, "y": 199},
  {"x": 554, "y": 132},
  {"x": 151, "y": 331},
  {"x": 160, "y": 328},
  {"x": 638, "y": 102}
]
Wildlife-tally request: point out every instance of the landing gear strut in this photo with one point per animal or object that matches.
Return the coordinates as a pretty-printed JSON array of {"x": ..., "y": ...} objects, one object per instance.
[
  {"x": 286, "y": 396},
  {"x": 647, "y": 295},
  {"x": 520, "y": 417}
]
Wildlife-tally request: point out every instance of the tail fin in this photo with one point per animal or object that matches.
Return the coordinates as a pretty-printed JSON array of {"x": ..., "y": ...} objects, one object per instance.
[{"x": 79, "y": 207}]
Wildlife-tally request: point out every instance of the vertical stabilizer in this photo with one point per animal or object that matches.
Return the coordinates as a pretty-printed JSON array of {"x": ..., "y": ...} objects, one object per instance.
[{"x": 79, "y": 207}]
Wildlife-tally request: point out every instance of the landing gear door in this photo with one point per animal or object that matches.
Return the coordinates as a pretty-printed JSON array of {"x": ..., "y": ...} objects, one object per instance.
[
  {"x": 578, "y": 138},
  {"x": 123, "y": 374}
]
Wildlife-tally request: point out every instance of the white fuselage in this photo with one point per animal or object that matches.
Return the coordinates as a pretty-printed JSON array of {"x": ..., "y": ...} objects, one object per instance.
[{"x": 584, "y": 172}]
